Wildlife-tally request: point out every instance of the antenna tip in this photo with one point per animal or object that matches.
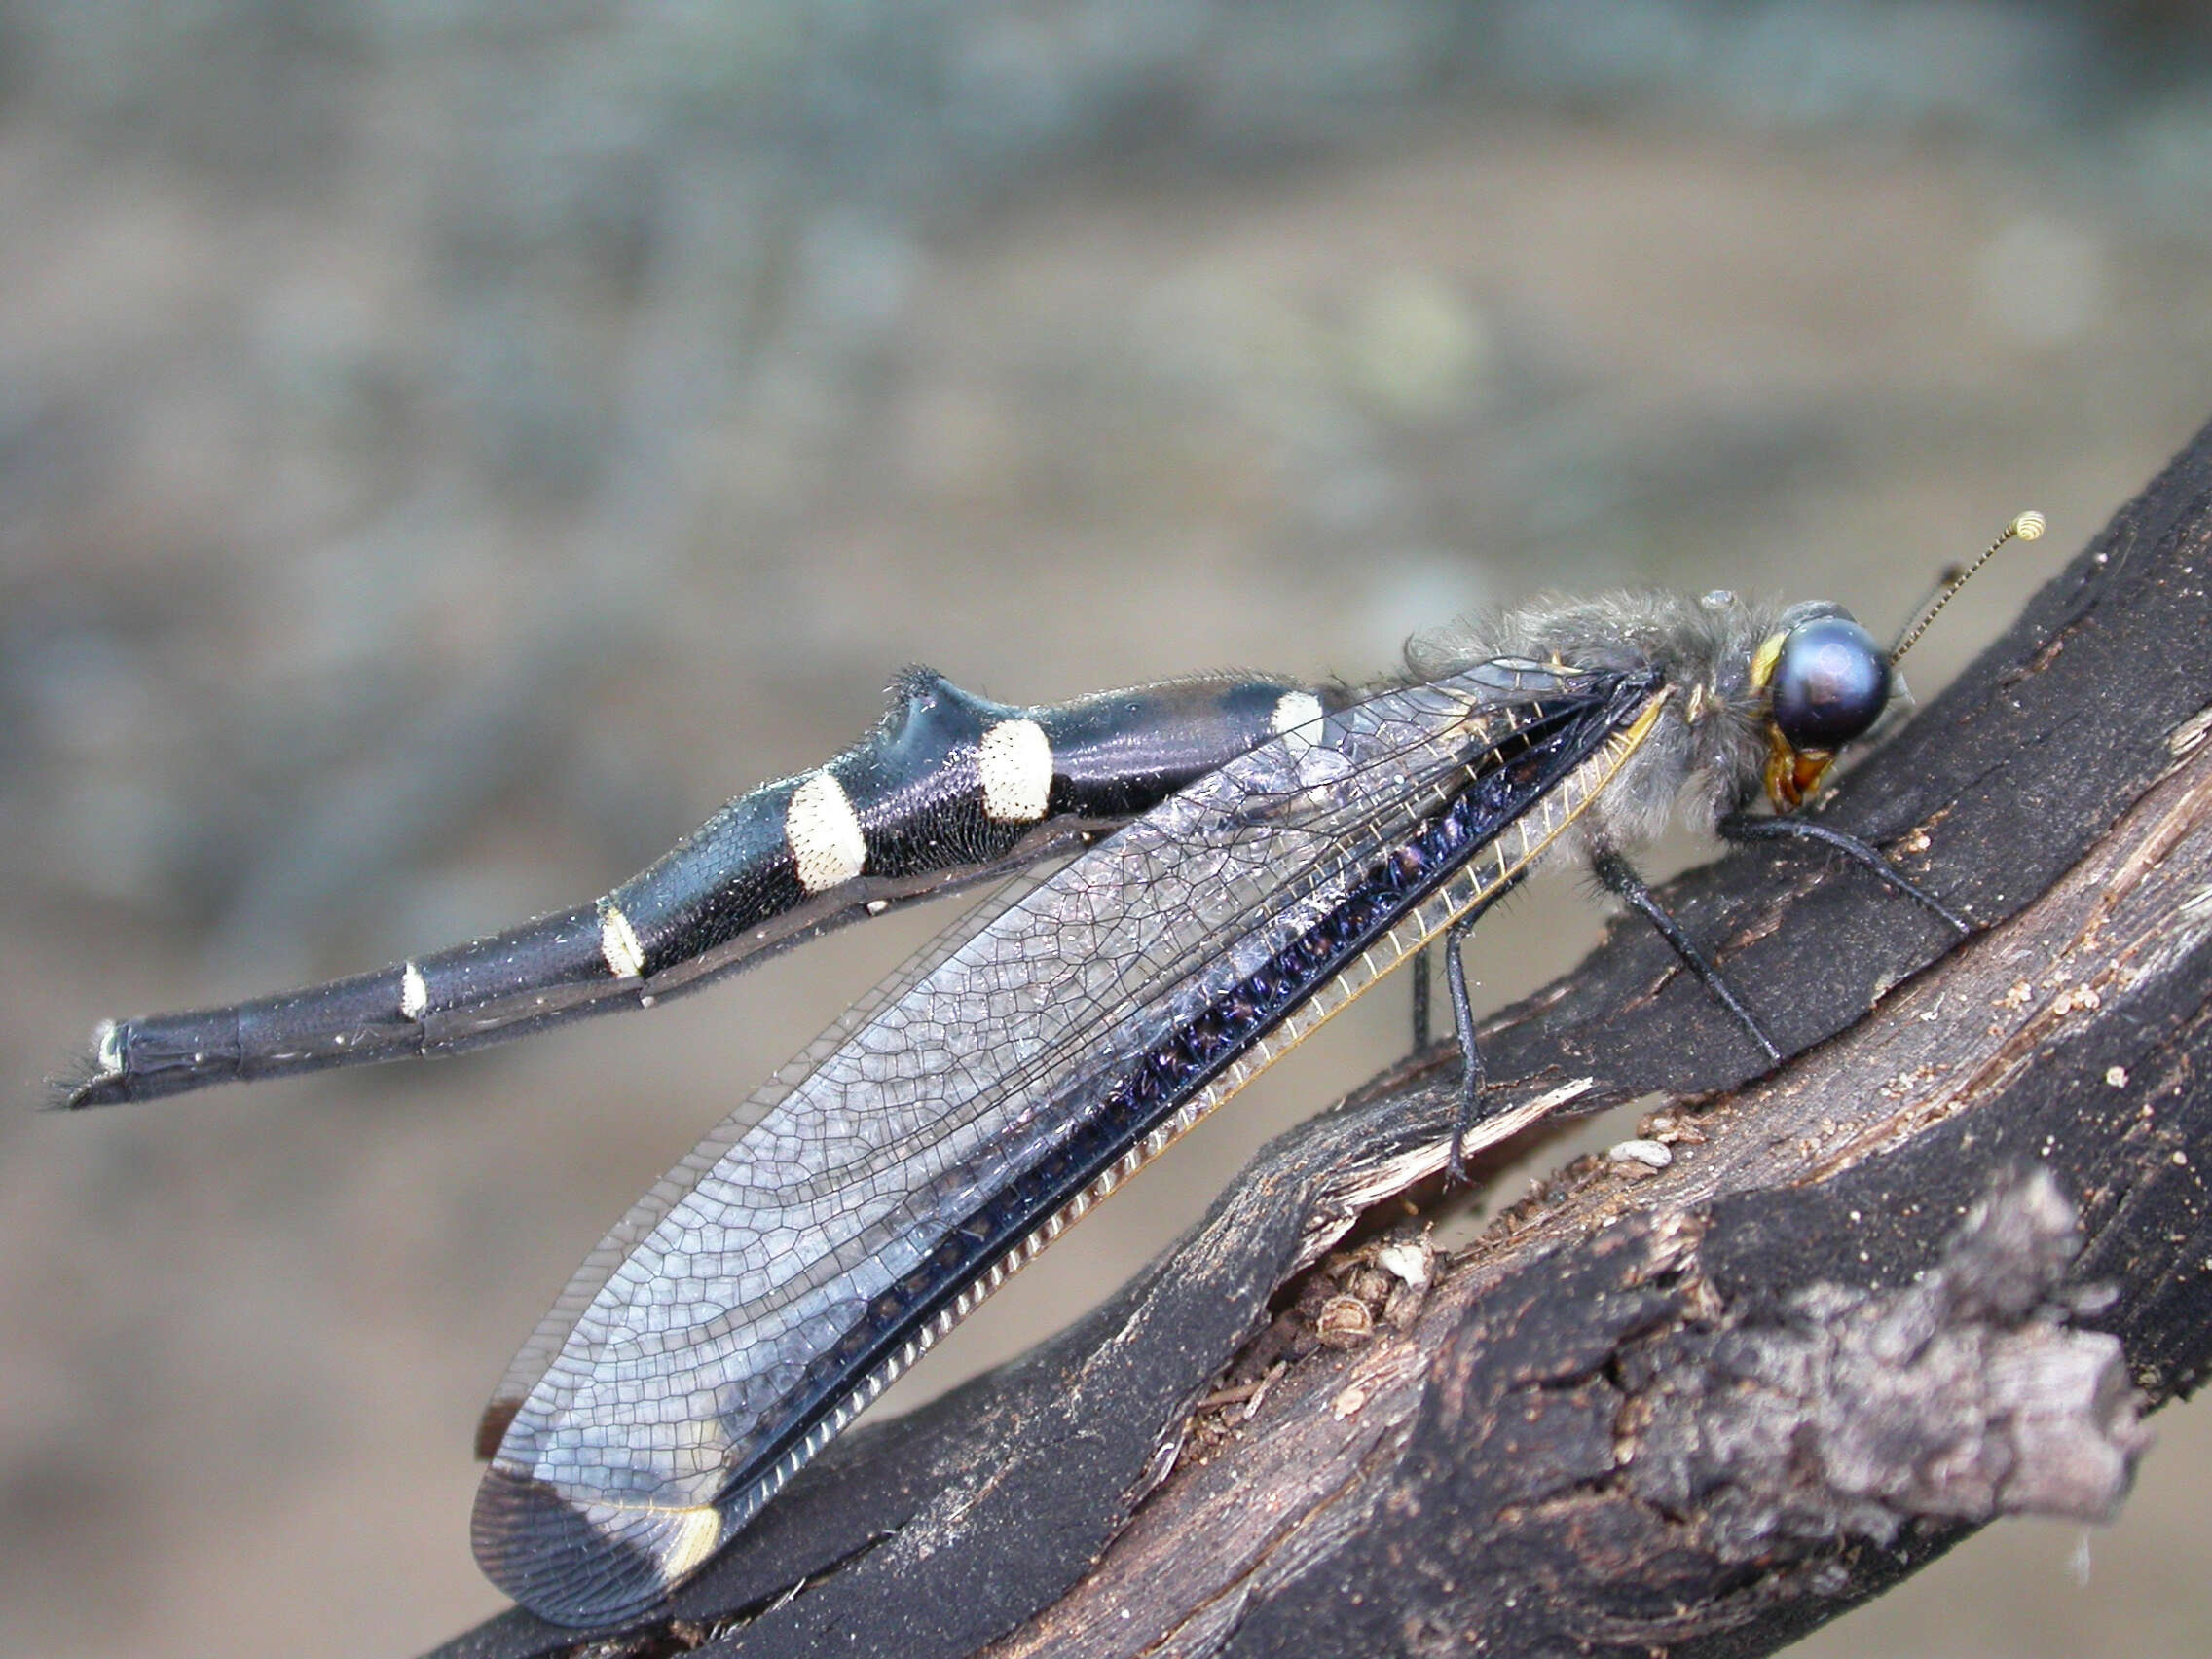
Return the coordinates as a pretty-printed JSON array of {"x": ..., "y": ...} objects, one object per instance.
[{"x": 2029, "y": 525}]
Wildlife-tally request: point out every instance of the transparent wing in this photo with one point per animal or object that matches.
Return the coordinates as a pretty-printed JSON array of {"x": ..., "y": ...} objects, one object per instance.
[
  {"x": 530, "y": 1362},
  {"x": 688, "y": 1349}
]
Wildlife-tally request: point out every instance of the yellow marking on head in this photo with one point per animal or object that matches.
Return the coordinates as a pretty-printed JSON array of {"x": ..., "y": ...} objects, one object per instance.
[{"x": 1763, "y": 661}]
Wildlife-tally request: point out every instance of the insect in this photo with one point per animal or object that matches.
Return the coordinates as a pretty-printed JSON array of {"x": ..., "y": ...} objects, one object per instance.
[{"x": 1237, "y": 857}]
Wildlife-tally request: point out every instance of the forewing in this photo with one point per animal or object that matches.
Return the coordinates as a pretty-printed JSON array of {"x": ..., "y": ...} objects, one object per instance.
[
  {"x": 536, "y": 1354},
  {"x": 696, "y": 1349}
]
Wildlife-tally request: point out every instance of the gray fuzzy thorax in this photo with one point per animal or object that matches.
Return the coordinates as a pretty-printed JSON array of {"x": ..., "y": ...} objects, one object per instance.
[{"x": 1706, "y": 757}]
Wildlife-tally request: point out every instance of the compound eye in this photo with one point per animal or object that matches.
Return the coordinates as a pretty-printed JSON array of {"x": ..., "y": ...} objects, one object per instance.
[{"x": 1830, "y": 683}]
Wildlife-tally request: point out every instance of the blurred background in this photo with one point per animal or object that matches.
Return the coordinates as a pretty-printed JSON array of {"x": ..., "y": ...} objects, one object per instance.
[{"x": 445, "y": 449}]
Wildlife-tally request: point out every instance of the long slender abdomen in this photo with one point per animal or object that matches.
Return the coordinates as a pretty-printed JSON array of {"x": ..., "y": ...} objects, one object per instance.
[
  {"x": 948, "y": 790},
  {"x": 493, "y": 988}
]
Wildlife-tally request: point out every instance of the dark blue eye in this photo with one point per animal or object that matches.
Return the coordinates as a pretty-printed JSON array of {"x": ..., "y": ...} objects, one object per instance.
[{"x": 1830, "y": 683}]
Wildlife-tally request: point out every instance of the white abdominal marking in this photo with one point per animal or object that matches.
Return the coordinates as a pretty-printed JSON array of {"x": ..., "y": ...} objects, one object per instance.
[
  {"x": 1294, "y": 712},
  {"x": 824, "y": 832},
  {"x": 414, "y": 994},
  {"x": 1014, "y": 760},
  {"x": 618, "y": 944}
]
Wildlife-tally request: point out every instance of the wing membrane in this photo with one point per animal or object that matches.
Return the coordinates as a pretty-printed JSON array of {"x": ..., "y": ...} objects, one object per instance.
[
  {"x": 739, "y": 1315},
  {"x": 531, "y": 1360}
]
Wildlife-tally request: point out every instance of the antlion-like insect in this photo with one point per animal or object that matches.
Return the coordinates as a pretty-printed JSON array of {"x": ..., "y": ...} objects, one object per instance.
[{"x": 1274, "y": 850}]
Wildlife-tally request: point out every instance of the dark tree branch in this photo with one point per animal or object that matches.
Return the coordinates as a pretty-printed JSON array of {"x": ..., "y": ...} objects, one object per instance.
[{"x": 1568, "y": 1441}]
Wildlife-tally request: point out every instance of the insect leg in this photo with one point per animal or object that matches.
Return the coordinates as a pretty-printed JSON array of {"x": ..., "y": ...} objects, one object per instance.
[
  {"x": 1471, "y": 1075},
  {"x": 1620, "y": 877},
  {"x": 1421, "y": 977},
  {"x": 1750, "y": 829}
]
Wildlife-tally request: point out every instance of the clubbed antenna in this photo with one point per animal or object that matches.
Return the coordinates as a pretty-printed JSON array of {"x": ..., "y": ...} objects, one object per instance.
[{"x": 2025, "y": 528}]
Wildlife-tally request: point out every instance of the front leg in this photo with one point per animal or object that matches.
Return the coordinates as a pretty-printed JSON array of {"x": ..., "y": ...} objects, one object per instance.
[
  {"x": 1743, "y": 829},
  {"x": 1472, "y": 1071},
  {"x": 1620, "y": 877},
  {"x": 1423, "y": 994}
]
